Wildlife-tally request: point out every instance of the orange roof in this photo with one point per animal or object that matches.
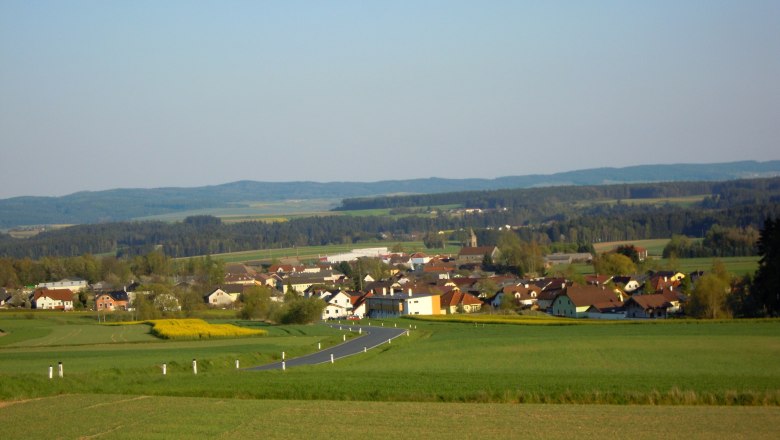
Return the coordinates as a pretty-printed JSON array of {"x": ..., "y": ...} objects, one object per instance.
[{"x": 454, "y": 298}]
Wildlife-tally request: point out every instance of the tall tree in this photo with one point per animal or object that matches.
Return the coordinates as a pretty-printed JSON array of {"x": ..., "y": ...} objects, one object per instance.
[
  {"x": 710, "y": 296},
  {"x": 766, "y": 285}
]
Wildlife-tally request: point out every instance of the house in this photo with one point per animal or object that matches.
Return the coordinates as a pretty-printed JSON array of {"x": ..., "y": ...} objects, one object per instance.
[
  {"x": 75, "y": 285},
  {"x": 419, "y": 259},
  {"x": 221, "y": 298},
  {"x": 5, "y": 297},
  {"x": 439, "y": 268},
  {"x": 338, "y": 305},
  {"x": 359, "y": 305},
  {"x": 53, "y": 299},
  {"x": 271, "y": 280},
  {"x": 647, "y": 306},
  {"x": 477, "y": 254},
  {"x": 302, "y": 281},
  {"x": 234, "y": 278},
  {"x": 630, "y": 283},
  {"x": 561, "y": 258},
  {"x": 605, "y": 310},
  {"x": 575, "y": 301},
  {"x": 525, "y": 295},
  {"x": 456, "y": 301},
  {"x": 110, "y": 301},
  {"x": 398, "y": 304}
]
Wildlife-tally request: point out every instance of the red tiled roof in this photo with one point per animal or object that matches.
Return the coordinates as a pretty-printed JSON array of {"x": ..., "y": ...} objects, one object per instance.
[
  {"x": 585, "y": 295},
  {"x": 479, "y": 250},
  {"x": 58, "y": 294}
]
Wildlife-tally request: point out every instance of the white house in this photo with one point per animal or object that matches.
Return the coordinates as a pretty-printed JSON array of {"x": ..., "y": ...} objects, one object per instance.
[
  {"x": 220, "y": 298},
  {"x": 53, "y": 299},
  {"x": 408, "y": 303},
  {"x": 338, "y": 305}
]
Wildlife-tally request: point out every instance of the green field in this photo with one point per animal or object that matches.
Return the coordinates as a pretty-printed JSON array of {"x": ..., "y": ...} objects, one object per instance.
[
  {"x": 737, "y": 266},
  {"x": 156, "y": 417},
  {"x": 655, "y": 247},
  {"x": 476, "y": 380},
  {"x": 699, "y": 362}
]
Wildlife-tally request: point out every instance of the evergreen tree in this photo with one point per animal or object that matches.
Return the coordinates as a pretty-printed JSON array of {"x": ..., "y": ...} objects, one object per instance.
[{"x": 766, "y": 285}]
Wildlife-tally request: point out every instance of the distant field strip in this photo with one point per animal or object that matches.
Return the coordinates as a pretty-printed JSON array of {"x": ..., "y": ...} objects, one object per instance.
[{"x": 155, "y": 417}]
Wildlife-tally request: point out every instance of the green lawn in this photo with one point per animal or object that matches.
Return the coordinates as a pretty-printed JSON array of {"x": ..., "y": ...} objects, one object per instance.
[{"x": 157, "y": 417}]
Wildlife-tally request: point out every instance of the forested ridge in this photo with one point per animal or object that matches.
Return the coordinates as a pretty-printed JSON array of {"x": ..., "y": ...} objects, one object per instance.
[
  {"x": 720, "y": 194},
  {"x": 547, "y": 215},
  {"x": 127, "y": 204}
]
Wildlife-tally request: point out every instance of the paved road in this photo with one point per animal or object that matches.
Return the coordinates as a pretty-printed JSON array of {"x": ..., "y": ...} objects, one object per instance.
[{"x": 372, "y": 337}]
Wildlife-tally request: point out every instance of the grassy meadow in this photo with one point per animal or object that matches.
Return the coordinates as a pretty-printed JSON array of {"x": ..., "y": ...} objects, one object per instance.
[
  {"x": 677, "y": 362},
  {"x": 163, "y": 417},
  {"x": 476, "y": 379}
]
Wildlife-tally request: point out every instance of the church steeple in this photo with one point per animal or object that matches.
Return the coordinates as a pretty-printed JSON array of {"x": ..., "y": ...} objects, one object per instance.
[{"x": 472, "y": 238}]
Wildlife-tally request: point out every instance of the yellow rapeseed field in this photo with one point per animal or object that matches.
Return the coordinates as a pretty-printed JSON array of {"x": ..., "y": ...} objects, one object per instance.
[
  {"x": 194, "y": 329},
  {"x": 198, "y": 329}
]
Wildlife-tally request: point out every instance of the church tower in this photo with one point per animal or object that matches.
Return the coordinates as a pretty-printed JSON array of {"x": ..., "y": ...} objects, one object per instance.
[{"x": 472, "y": 238}]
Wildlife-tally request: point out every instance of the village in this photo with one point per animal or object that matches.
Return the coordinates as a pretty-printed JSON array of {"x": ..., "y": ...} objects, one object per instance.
[{"x": 415, "y": 284}]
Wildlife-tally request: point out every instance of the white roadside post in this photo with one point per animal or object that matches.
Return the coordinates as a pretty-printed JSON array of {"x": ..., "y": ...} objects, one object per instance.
[
  {"x": 360, "y": 331},
  {"x": 237, "y": 364},
  {"x": 51, "y": 372},
  {"x": 331, "y": 358},
  {"x": 59, "y": 369},
  {"x": 194, "y": 366},
  {"x": 284, "y": 366},
  {"x": 319, "y": 346},
  {"x": 282, "y": 355},
  {"x": 365, "y": 349},
  {"x": 165, "y": 369},
  {"x": 343, "y": 337}
]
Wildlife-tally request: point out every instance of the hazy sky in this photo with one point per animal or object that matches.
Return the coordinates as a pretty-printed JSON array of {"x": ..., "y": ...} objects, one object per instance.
[{"x": 111, "y": 94}]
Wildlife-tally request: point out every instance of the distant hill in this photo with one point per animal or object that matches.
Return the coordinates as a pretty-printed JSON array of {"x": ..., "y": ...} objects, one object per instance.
[{"x": 127, "y": 204}]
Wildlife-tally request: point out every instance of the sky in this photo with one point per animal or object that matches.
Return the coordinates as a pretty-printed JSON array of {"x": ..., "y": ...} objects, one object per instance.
[{"x": 106, "y": 94}]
